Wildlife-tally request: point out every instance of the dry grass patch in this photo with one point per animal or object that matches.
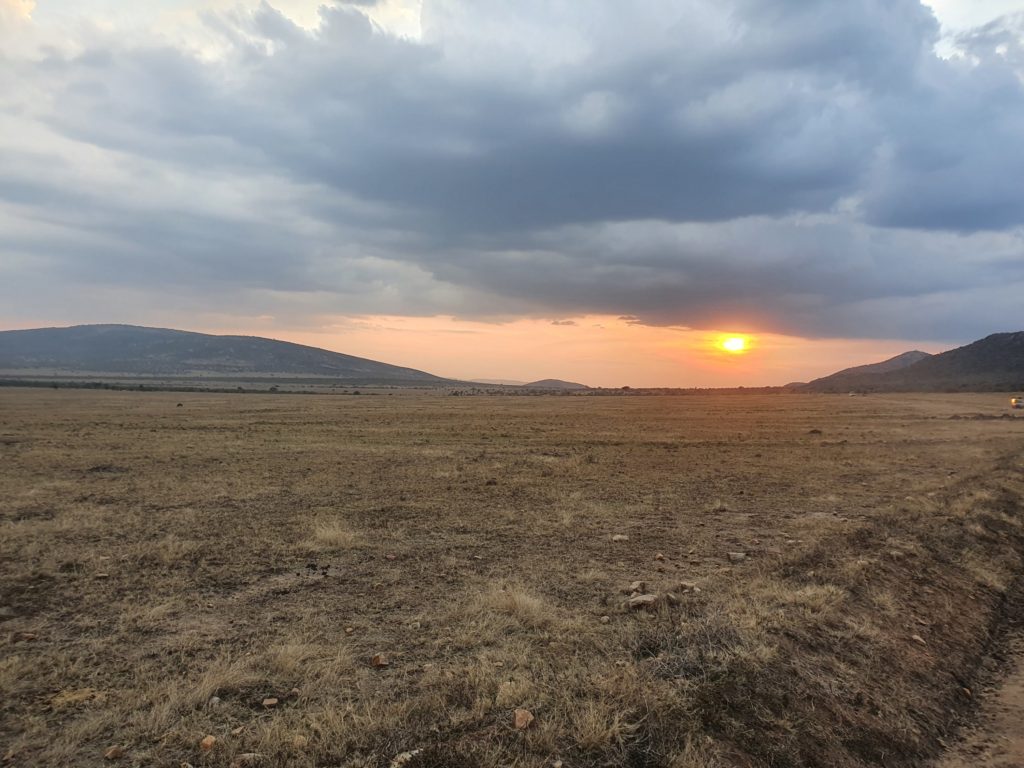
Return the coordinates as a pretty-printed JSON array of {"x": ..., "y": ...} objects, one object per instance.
[
  {"x": 334, "y": 534},
  {"x": 468, "y": 540}
]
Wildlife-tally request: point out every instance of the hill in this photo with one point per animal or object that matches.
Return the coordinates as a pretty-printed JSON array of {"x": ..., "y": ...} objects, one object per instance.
[
  {"x": 847, "y": 378},
  {"x": 137, "y": 351},
  {"x": 555, "y": 384},
  {"x": 995, "y": 363}
]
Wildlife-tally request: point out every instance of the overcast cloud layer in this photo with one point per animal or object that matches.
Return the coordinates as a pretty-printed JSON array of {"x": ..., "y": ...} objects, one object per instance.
[{"x": 799, "y": 166}]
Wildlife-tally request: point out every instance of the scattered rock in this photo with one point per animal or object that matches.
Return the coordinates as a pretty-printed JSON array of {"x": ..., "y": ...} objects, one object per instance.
[
  {"x": 641, "y": 602},
  {"x": 214, "y": 702},
  {"x": 405, "y": 758},
  {"x": 207, "y": 743},
  {"x": 659, "y": 556},
  {"x": 671, "y": 599},
  {"x": 523, "y": 718},
  {"x": 737, "y": 557},
  {"x": 918, "y": 639},
  {"x": 114, "y": 753},
  {"x": 606, "y": 619},
  {"x": 379, "y": 660},
  {"x": 390, "y": 556},
  {"x": 349, "y": 630},
  {"x": 620, "y": 537},
  {"x": 557, "y": 764},
  {"x": 967, "y": 693},
  {"x": 238, "y": 731},
  {"x": 635, "y": 586},
  {"x": 101, "y": 576},
  {"x": 687, "y": 586},
  {"x": 270, "y": 702},
  {"x": 294, "y": 693}
]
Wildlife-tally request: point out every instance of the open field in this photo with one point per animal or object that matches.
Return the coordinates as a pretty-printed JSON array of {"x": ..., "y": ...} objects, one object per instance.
[{"x": 166, "y": 569}]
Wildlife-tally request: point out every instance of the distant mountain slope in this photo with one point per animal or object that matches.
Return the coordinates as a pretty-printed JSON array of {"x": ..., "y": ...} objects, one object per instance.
[
  {"x": 843, "y": 377},
  {"x": 134, "y": 350},
  {"x": 995, "y": 363},
  {"x": 555, "y": 384}
]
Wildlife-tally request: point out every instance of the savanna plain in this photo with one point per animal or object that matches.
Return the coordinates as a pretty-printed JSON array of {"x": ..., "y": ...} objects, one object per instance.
[{"x": 427, "y": 580}]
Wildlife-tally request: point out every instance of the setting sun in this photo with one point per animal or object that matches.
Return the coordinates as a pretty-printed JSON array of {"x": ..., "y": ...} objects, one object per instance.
[{"x": 735, "y": 344}]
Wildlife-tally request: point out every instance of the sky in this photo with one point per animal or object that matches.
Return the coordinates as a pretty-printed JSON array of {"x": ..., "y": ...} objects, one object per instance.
[{"x": 596, "y": 191}]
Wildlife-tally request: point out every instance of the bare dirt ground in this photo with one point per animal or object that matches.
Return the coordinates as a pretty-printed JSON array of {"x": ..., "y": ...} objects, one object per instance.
[
  {"x": 334, "y": 581},
  {"x": 996, "y": 738}
]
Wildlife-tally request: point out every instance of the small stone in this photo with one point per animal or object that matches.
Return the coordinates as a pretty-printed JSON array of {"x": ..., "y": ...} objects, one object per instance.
[
  {"x": 238, "y": 731},
  {"x": 101, "y": 576},
  {"x": 659, "y": 556},
  {"x": 349, "y": 630},
  {"x": 636, "y": 586},
  {"x": 606, "y": 619},
  {"x": 557, "y": 764},
  {"x": 270, "y": 702},
  {"x": 294, "y": 693},
  {"x": 620, "y": 537},
  {"x": 523, "y": 718},
  {"x": 390, "y": 556},
  {"x": 114, "y": 753},
  {"x": 641, "y": 602},
  {"x": 737, "y": 557},
  {"x": 687, "y": 586},
  {"x": 214, "y": 702},
  {"x": 918, "y": 639},
  {"x": 207, "y": 743},
  {"x": 379, "y": 661}
]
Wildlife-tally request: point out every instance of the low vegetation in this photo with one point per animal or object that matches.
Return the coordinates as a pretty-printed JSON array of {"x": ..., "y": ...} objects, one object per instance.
[{"x": 669, "y": 582}]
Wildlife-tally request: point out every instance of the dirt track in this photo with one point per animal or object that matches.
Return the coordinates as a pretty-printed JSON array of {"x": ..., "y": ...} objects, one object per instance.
[{"x": 996, "y": 739}]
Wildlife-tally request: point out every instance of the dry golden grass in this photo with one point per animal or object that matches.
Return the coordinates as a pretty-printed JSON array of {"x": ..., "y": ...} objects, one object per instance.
[{"x": 165, "y": 570}]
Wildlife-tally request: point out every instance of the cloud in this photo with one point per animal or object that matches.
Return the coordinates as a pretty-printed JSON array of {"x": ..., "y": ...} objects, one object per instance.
[
  {"x": 13, "y": 10},
  {"x": 802, "y": 167}
]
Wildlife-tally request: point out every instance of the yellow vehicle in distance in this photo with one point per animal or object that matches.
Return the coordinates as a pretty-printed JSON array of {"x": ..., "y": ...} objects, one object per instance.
[{"x": 1017, "y": 402}]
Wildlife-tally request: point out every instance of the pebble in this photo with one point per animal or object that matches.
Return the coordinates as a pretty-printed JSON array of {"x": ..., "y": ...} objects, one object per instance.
[{"x": 523, "y": 718}]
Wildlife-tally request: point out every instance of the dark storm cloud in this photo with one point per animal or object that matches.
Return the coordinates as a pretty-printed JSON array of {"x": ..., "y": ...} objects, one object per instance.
[{"x": 805, "y": 166}]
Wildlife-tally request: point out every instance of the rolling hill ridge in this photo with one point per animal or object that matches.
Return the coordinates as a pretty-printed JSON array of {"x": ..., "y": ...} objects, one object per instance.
[
  {"x": 140, "y": 351},
  {"x": 995, "y": 364}
]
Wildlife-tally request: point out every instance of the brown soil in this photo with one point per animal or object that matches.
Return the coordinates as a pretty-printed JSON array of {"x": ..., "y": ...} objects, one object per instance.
[
  {"x": 164, "y": 570},
  {"x": 996, "y": 738}
]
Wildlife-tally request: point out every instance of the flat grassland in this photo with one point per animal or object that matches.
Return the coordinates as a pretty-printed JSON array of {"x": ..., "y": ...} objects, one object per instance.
[{"x": 405, "y": 572}]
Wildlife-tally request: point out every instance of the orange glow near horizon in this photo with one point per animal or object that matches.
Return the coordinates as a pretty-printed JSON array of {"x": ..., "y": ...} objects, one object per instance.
[{"x": 597, "y": 350}]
